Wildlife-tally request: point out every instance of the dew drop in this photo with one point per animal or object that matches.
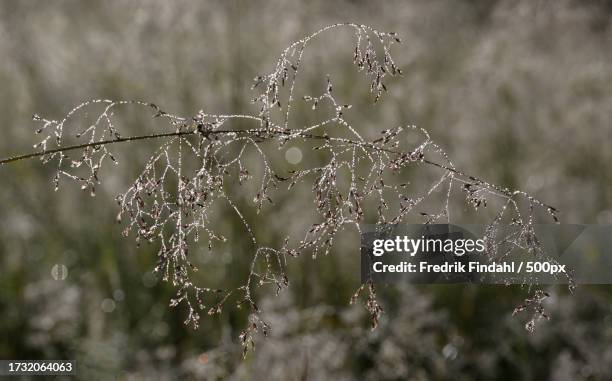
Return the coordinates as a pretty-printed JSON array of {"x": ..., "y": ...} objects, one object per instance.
[
  {"x": 293, "y": 155},
  {"x": 108, "y": 305},
  {"x": 59, "y": 272}
]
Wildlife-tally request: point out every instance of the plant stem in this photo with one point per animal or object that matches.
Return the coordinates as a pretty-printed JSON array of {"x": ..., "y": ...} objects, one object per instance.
[
  {"x": 92, "y": 144},
  {"x": 503, "y": 191}
]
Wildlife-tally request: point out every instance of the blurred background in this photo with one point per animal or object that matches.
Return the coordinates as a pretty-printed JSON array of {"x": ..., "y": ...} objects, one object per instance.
[{"x": 517, "y": 92}]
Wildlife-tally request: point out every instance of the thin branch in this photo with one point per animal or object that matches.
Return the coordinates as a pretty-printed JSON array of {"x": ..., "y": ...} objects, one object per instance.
[
  {"x": 502, "y": 191},
  {"x": 100, "y": 143}
]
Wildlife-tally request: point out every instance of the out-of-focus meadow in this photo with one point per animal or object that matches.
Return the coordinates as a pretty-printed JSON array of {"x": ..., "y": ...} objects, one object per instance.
[{"x": 518, "y": 93}]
